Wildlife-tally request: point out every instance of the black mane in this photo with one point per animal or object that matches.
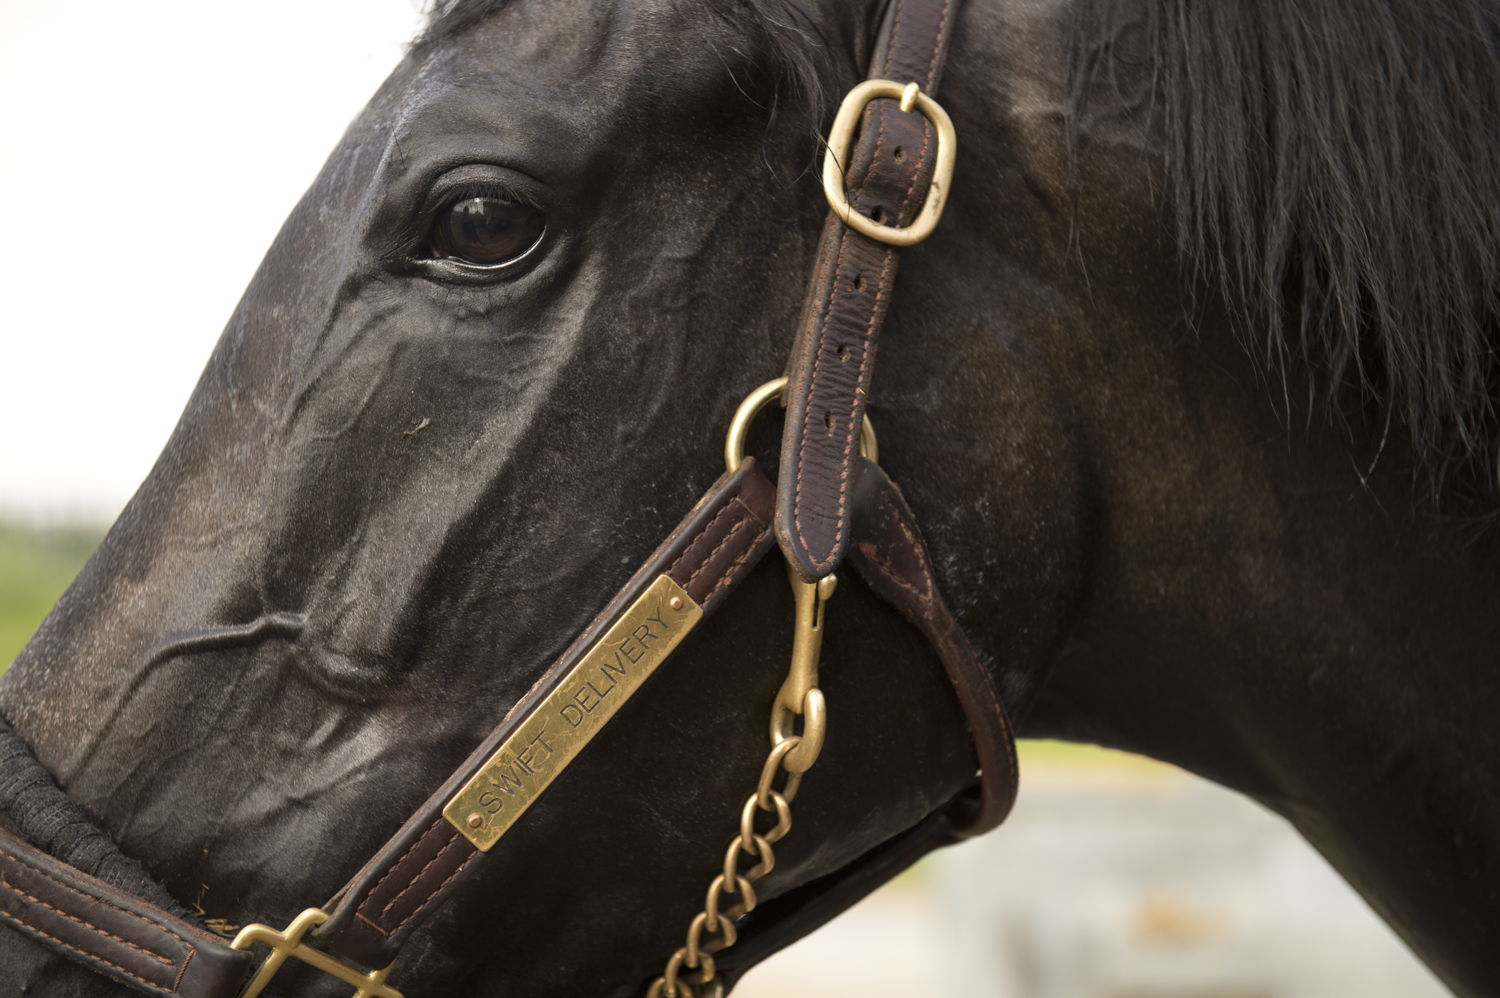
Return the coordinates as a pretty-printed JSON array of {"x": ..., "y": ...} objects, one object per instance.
[{"x": 1334, "y": 169}]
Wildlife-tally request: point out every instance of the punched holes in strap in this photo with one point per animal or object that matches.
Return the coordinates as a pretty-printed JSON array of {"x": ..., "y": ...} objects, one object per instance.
[{"x": 888, "y": 179}]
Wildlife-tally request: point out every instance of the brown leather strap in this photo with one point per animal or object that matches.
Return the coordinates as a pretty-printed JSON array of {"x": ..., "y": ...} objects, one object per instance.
[
  {"x": 824, "y": 492},
  {"x": 149, "y": 950},
  {"x": 888, "y": 552},
  {"x": 724, "y": 537},
  {"x": 890, "y": 556},
  {"x": 833, "y": 358},
  {"x": 111, "y": 931}
]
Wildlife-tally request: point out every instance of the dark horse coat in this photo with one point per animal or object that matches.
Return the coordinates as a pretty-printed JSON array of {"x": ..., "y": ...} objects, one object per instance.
[{"x": 1192, "y": 394}]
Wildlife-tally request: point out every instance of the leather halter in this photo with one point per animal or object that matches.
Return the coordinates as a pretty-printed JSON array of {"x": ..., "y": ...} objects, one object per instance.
[{"x": 830, "y": 507}]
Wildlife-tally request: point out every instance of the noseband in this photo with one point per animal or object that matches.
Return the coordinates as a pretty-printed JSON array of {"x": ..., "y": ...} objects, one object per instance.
[{"x": 831, "y": 505}]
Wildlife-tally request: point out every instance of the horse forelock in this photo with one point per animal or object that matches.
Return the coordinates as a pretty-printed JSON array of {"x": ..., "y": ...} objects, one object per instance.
[{"x": 1334, "y": 173}]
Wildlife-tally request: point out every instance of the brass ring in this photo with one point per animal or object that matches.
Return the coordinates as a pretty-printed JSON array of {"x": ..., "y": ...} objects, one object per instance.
[{"x": 739, "y": 426}]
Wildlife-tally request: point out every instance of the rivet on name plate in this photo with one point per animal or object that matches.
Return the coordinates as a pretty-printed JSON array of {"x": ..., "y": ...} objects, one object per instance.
[
  {"x": 675, "y": 602},
  {"x": 475, "y": 821}
]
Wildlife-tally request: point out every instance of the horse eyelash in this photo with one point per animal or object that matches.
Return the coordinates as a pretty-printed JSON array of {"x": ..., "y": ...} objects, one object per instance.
[{"x": 484, "y": 188}]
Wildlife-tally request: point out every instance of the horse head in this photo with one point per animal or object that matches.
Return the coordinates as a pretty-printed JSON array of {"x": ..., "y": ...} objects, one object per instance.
[{"x": 488, "y": 363}]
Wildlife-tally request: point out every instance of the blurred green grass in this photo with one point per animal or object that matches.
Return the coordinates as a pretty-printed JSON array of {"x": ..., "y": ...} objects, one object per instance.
[
  {"x": 1040, "y": 752},
  {"x": 36, "y": 565}
]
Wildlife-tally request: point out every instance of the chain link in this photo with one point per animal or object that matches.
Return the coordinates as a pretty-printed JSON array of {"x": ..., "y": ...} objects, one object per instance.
[{"x": 713, "y": 929}]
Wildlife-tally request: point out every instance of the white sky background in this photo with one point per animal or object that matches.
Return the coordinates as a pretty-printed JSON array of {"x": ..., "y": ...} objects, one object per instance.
[{"x": 149, "y": 151}]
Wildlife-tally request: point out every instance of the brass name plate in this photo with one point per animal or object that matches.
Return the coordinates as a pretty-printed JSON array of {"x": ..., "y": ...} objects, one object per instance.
[{"x": 568, "y": 718}]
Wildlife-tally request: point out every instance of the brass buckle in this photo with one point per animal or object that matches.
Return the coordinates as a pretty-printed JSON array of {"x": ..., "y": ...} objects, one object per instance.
[
  {"x": 841, "y": 137},
  {"x": 288, "y": 943}
]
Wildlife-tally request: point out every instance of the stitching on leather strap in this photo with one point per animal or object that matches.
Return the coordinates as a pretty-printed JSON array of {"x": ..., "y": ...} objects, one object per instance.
[
  {"x": 730, "y": 497},
  {"x": 937, "y": 44},
  {"x": 436, "y": 891},
  {"x": 875, "y": 155},
  {"x": 24, "y": 925},
  {"x": 729, "y": 572},
  {"x": 734, "y": 566},
  {"x": 370, "y": 895},
  {"x": 886, "y": 567},
  {"x": 911, "y": 188},
  {"x": 812, "y": 394},
  {"x": 364, "y": 918},
  {"x": 16, "y": 889},
  {"x": 894, "y": 45},
  {"x": 889, "y": 573},
  {"x": 455, "y": 840},
  {"x": 177, "y": 982},
  {"x": 703, "y": 565},
  {"x": 191, "y": 947},
  {"x": 851, "y": 434}
]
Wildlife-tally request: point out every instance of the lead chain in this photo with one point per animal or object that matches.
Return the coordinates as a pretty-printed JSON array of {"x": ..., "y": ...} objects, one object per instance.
[{"x": 712, "y": 929}]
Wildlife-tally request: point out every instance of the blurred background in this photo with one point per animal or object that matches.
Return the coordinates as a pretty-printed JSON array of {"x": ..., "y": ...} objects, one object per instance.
[{"x": 151, "y": 151}]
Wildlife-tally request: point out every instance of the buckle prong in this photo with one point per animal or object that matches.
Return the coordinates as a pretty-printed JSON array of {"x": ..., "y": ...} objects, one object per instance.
[{"x": 909, "y": 97}]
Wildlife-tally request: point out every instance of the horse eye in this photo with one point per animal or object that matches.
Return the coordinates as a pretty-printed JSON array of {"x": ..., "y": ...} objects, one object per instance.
[{"x": 487, "y": 230}]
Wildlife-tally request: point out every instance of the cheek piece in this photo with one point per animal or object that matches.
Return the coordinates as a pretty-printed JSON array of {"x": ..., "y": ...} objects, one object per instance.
[{"x": 886, "y": 177}]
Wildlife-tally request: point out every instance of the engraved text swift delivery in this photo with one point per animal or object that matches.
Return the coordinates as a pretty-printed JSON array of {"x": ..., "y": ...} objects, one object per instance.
[{"x": 557, "y": 728}]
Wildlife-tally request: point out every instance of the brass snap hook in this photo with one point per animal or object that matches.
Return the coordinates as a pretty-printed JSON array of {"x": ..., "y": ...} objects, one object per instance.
[{"x": 799, "y": 695}]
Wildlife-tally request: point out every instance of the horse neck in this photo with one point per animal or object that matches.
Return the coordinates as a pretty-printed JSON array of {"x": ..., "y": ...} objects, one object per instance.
[
  {"x": 1259, "y": 615},
  {"x": 1154, "y": 547}
]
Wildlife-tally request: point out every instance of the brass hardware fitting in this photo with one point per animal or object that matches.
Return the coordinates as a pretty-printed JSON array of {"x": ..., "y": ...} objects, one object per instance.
[
  {"x": 739, "y": 426},
  {"x": 792, "y": 754},
  {"x": 799, "y": 695},
  {"x": 841, "y": 139},
  {"x": 287, "y": 944}
]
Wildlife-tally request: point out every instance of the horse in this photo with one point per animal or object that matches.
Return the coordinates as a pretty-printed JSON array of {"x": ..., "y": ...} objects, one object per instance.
[{"x": 1191, "y": 393}]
